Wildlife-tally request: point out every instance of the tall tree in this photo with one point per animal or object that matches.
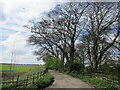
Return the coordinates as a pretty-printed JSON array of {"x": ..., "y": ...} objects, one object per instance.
[
  {"x": 60, "y": 28},
  {"x": 95, "y": 24},
  {"x": 102, "y": 28}
]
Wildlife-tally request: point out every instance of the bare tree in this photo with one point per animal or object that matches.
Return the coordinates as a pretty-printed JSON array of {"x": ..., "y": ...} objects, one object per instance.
[
  {"x": 102, "y": 28},
  {"x": 95, "y": 24},
  {"x": 60, "y": 29}
]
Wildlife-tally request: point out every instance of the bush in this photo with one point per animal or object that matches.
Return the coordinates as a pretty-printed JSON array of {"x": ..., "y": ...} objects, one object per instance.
[
  {"x": 77, "y": 66},
  {"x": 44, "y": 81},
  {"x": 67, "y": 72},
  {"x": 51, "y": 62},
  {"x": 89, "y": 69}
]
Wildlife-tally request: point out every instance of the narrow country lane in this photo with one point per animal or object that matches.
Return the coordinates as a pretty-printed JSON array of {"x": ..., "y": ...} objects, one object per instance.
[{"x": 66, "y": 81}]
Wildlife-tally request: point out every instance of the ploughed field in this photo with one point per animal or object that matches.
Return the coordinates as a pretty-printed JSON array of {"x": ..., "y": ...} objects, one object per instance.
[{"x": 18, "y": 69}]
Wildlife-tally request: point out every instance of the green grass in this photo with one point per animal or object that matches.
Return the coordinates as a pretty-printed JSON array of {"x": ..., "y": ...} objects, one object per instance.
[
  {"x": 40, "y": 82},
  {"x": 97, "y": 82},
  {"x": 21, "y": 70}
]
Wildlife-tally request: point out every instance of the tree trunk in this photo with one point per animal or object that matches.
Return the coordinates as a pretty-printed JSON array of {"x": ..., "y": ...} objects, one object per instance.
[
  {"x": 62, "y": 60},
  {"x": 72, "y": 51}
]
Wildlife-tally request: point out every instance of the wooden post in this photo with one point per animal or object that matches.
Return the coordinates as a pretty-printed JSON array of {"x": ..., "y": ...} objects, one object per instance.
[
  {"x": 38, "y": 75},
  {"x": 107, "y": 76},
  {"x": 113, "y": 79},
  {"x": 24, "y": 82},
  {"x": 17, "y": 81},
  {"x": 27, "y": 80},
  {"x": 33, "y": 78}
]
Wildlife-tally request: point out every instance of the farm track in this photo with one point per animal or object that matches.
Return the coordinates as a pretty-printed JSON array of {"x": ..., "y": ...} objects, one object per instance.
[{"x": 65, "y": 81}]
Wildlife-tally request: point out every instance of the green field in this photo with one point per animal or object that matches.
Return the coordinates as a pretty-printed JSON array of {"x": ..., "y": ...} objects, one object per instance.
[
  {"x": 17, "y": 69},
  {"x": 24, "y": 76}
]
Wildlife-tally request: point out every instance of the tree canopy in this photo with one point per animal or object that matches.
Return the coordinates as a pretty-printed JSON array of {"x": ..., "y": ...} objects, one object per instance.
[{"x": 77, "y": 32}]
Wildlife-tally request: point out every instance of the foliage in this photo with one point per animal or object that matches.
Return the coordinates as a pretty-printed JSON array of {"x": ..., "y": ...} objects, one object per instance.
[
  {"x": 89, "y": 69},
  {"x": 51, "y": 62},
  {"x": 77, "y": 66},
  {"x": 44, "y": 81}
]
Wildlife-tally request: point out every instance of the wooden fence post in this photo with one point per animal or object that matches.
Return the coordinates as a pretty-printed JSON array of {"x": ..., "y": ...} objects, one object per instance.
[
  {"x": 17, "y": 81},
  {"x": 33, "y": 78},
  {"x": 27, "y": 80},
  {"x": 113, "y": 79},
  {"x": 24, "y": 82},
  {"x": 38, "y": 75},
  {"x": 106, "y": 78}
]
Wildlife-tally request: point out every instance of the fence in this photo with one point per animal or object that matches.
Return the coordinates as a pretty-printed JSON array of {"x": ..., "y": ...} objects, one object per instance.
[
  {"x": 29, "y": 79},
  {"x": 113, "y": 78}
]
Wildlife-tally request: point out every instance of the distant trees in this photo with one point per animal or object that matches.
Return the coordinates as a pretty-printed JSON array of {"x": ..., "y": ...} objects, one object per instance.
[{"x": 77, "y": 32}]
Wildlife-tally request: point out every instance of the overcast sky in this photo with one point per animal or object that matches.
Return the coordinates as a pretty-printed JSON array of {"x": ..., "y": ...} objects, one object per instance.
[{"x": 14, "y": 14}]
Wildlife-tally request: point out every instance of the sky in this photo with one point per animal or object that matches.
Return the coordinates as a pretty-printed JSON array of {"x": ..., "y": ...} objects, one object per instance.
[{"x": 14, "y": 14}]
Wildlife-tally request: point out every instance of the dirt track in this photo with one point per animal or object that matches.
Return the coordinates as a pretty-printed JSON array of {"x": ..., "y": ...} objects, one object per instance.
[{"x": 66, "y": 81}]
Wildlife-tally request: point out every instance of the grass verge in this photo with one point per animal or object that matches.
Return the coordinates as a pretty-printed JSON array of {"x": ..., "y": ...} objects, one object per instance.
[{"x": 96, "y": 82}]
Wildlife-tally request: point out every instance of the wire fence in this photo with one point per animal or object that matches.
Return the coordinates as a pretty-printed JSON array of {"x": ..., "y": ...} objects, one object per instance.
[{"x": 21, "y": 82}]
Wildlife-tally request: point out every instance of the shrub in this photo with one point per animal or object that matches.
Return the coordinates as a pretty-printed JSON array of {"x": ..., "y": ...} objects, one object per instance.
[
  {"x": 77, "y": 66},
  {"x": 51, "y": 62},
  {"x": 89, "y": 69},
  {"x": 44, "y": 81}
]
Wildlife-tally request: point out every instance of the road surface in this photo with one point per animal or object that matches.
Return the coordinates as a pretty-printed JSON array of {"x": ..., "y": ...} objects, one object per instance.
[{"x": 65, "y": 81}]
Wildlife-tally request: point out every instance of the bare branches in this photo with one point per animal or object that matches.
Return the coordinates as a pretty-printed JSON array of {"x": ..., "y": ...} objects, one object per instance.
[{"x": 67, "y": 24}]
